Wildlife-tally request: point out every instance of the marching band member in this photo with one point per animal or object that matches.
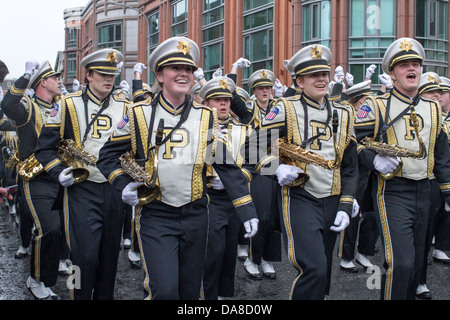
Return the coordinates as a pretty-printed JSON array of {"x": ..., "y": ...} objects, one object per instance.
[
  {"x": 313, "y": 209},
  {"x": 172, "y": 222},
  {"x": 38, "y": 191},
  {"x": 411, "y": 124},
  {"x": 93, "y": 210}
]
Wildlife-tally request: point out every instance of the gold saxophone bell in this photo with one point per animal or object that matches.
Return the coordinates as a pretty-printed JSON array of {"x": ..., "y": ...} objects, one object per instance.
[
  {"x": 77, "y": 158},
  {"x": 80, "y": 173}
]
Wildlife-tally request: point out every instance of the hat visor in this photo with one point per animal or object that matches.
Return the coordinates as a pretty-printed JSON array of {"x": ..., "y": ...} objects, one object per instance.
[
  {"x": 313, "y": 70},
  {"x": 171, "y": 63}
]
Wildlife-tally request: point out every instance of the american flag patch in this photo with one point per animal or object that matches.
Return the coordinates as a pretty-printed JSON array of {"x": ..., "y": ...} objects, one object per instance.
[
  {"x": 363, "y": 112},
  {"x": 122, "y": 122},
  {"x": 272, "y": 114},
  {"x": 54, "y": 111}
]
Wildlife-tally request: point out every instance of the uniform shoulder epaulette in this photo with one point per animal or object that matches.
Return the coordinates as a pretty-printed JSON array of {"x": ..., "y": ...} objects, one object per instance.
[
  {"x": 74, "y": 94},
  {"x": 146, "y": 102},
  {"x": 197, "y": 105},
  {"x": 120, "y": 98},
  {"x": 291, "y": 98},
  {"x": 383, "y": 96}
]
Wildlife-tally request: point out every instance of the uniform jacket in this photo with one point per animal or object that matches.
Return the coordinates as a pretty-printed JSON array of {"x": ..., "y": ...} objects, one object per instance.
[{"x": 182, "y": 158}]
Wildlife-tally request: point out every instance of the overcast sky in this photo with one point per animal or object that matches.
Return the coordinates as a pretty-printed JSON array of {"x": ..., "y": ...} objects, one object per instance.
[{"x": 32, "y": 30}]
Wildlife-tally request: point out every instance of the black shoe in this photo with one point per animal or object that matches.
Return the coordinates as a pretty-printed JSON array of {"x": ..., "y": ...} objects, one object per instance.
[
  {"x": 444, "y": 261},
  {"x": 351, "y": 269},
  {"x": 270, "y": 275},
  {"x": 424, "y": 295},
  {"x": 254, "y": 276},
  {"x": 135, "y": 264}
]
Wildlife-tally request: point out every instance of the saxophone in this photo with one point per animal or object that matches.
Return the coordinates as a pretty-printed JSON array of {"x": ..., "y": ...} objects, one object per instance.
[
  {"x": 73, "y": 156},
  {"x": 293, "y": 154},
  {"x": 393, "y": 151},
  {"x": 150, "y": 190},
  {"x": 13, "y": 159},
  {"x": 29, "y": 168}
]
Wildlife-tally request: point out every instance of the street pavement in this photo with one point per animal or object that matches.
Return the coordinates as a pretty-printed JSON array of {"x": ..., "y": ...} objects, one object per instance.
[{"x": 345, "y": 286}]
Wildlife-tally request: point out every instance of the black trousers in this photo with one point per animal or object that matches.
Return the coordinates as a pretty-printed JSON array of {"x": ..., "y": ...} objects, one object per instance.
[
  {"x": 309, "y": 242},
  {"x": 25, "y": 218},
  {"x": 220, "y": 264},
  {"x": 47, "y": 241},
  {"x": 172, "y": 241},
  {"x": 94, "y": 213},
  {"x": 403, "y": 211},
  {"x": 266, "y": 244},
  {"x": 438, "y": 221}
]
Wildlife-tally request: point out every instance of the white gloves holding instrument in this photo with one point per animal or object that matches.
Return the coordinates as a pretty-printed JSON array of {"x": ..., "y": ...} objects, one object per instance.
[
  {"x": 66, "y": 178},
  {"x": 287, "y": 173},
  {"x": 384, "y": 164},
  {"x": 130, "y": 194}
]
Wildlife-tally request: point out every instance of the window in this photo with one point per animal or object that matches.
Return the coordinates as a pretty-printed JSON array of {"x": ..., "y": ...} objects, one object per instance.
[
  {"x": 431, "y": 31},
  {"x": 212, "y": 36},
  {"x": 87, "y": 31},
  {"x": 179, "y": 18},
  {"x": 317, "y": 23},
  {"x": 71, "y": 66},
  {"x": 110, "y": 36},
  {"x": 71, "y": 38},
  {"x": 372, "y": 30},
  {"x": 153, "y": 34},
  {"x": 257, "y": 36}
]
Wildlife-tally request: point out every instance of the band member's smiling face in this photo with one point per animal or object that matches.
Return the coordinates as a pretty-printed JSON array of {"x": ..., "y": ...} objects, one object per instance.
[
  {"x": 315, "y": 85},
  {"x": 176, "y": 79}
]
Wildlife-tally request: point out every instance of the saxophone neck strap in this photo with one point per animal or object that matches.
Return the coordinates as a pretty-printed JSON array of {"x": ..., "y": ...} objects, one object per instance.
[
  {"x": 387, "y": 125},
  {"x": 86, "y": 114},
  {"x": 307, "y": 140}
]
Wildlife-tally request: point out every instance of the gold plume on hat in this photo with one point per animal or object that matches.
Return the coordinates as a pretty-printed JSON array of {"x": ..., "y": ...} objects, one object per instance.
[
  {"x": 184, "y": 47},
  {"x": 263, "y": 74},
  {"x": 316, "y": 52}
]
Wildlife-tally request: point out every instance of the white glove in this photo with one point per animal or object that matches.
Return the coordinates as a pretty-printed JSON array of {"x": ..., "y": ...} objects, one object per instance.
[
  {"x": 217, "y": 73},
  {"x": 349, "y": 79},
  {"x": 124, "y": 86},
  {"x": 278, "y": 88},
  {"x": 242, "y": 63},
  {"x": 63, "y": 89},
  {"x": 251, "y": 227},
  {"x": 384, "y": 164},
  {"x": 1, "y": 94},
  {"x": 120, "y": 65},
  {"x": 216, "y": 183},
  {"x": 341, "y": 222},
  {"x": 31, "y": 67},
  {"x": 130, "y": 194},
  {"x": 75, "y": 85},
  {"x": 446, "y": 207},
  {"x": 139, "y": 67},
  {"x": 29, "y": 92},
  {"x": 66, "y": 178},
  {"x": 370, "y": 70},
  {"x": 339, "y": 74},
  {"x": 287, "y": 173},
  {"x": 285, "y": 63},
  {"x": 355, "y": 208},
  {"x": 386, "y": 80},
  {"x": 198, "y": 73}
]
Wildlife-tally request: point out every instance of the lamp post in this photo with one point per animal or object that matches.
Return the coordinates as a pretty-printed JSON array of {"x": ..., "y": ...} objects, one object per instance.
[{"x": 148, "y": 27}]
